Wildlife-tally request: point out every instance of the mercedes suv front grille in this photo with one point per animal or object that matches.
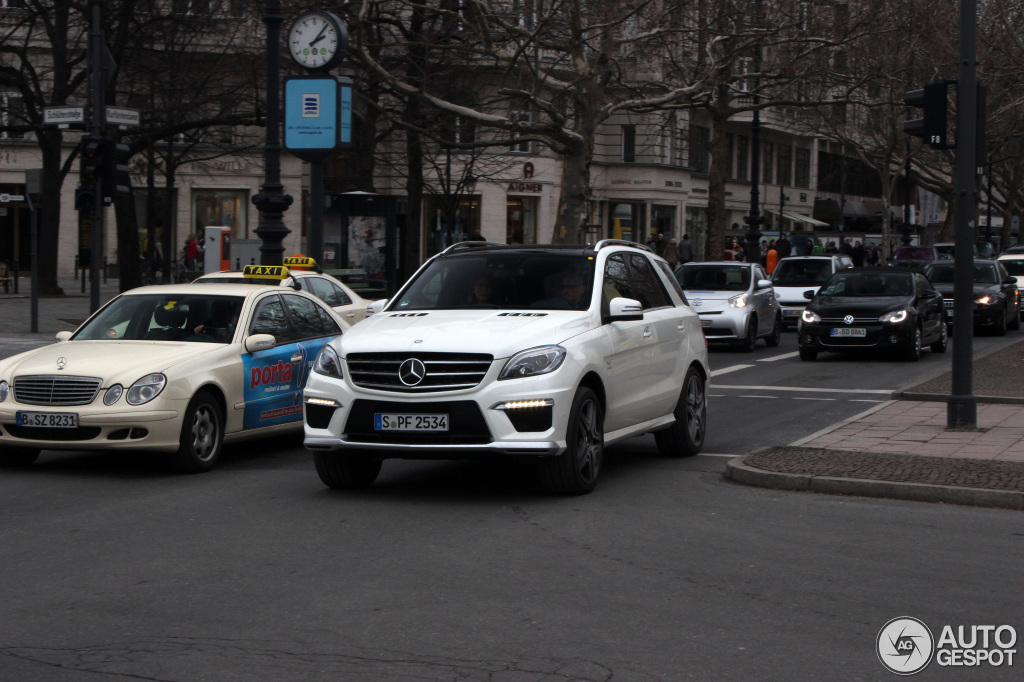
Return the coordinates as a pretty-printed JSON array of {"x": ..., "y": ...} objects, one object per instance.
[{"x": 418, "y": 372}]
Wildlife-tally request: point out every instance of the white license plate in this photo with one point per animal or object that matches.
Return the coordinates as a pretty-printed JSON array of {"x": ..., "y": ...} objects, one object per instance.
[
  {"x": 49, "y": 420},
  {"x": 410, "y": 422},
  {"x": 949, "y": 303},
  {"x": 791, "y": 313},
  {"x": 705, "y": 323},
  {"x": 848, "y": 331}
]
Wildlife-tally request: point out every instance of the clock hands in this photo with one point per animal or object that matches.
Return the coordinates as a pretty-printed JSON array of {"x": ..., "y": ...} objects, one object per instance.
[{"x": 319, "y": 36}]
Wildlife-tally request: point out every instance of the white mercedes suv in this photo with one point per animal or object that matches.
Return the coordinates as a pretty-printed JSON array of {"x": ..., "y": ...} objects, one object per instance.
[{"x": 542, "y": 352}]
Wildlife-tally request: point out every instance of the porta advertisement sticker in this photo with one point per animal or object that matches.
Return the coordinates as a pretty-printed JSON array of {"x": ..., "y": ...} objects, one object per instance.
[{"x": 273, "y": 383}]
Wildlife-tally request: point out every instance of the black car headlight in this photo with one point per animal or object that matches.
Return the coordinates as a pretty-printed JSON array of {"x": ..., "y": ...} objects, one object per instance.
[
  {"x": 810, "y": 317},
  {"x": 328, "y": 363},
  {"x": 532, "y": 362},
  {"x": 895, "y": 316},
  {"x": 145, "y": 389},
  {"x": 985, "y": 300}
]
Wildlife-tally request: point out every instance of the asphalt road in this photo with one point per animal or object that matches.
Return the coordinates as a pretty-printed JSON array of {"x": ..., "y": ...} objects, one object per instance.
[{"x": 114, "y": 569}]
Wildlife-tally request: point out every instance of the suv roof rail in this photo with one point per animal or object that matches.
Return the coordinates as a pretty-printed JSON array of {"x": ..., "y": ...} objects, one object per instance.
[
  {"x": 463, "y": 246},
  {"x": 621, "y": 242}
]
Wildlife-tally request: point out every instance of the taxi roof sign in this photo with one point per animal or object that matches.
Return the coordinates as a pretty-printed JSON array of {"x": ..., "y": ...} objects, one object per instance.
[
  {"x": 265, "y": 271},
  {"x": 304, "y": 262}
]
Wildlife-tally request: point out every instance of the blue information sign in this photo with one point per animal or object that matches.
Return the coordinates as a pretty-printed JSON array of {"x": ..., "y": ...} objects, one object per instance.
[{"x": 311, "y": 113}]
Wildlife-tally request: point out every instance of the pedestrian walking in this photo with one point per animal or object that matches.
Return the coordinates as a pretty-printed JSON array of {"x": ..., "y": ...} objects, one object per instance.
[
  {"x": 685, "y": 250},
  {"x": 671, "y": 253},
  {"x": 783, "y": 247},
  {"x": 857, "y": 254},
  {"x": 191, "y": 253}
]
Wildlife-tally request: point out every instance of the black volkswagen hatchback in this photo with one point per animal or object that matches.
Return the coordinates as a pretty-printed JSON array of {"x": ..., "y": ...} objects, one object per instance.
[{"x": 874, "y": 309}]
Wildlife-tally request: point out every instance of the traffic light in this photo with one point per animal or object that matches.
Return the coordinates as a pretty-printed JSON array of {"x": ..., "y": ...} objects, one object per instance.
[
  {"x": 85, "y": 199},
  {"x": 92, "y": 153},
  {"x": 933, "y": 127},
  {"x": 116, "y": 173}
]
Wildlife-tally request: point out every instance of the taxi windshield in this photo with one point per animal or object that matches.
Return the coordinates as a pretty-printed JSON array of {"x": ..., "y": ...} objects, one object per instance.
[
  {"x": 197, "y": 318},
  {"x": 715, "y": 277},
  {"x": 502, "y": 280}
]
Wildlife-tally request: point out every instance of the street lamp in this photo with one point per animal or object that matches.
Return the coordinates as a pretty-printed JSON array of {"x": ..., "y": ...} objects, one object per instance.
[
  {"x": 755, "y": 219},
  {"x": 272, "y": 202}
]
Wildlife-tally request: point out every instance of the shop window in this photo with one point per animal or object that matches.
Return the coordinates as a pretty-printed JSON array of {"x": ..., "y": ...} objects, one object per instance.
[
  {"x": 629, "y": 143},
  {"x": 521, "y": 225},
  {"x": 225, "y": 208}
]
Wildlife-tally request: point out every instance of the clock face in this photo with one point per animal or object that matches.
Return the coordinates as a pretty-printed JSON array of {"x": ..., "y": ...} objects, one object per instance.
[{"x": 314, "y": 40}]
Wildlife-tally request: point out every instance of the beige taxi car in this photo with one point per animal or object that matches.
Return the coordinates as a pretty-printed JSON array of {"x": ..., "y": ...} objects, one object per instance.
[{"x": 180, "y": 369}]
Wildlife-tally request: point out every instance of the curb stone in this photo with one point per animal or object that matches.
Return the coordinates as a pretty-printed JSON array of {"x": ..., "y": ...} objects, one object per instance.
[{"x": 739, "y": 472}]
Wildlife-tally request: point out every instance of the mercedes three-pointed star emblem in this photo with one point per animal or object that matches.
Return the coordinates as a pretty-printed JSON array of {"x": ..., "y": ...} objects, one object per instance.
[
  {"x": 412, "y": 371},
  {"x": 61, "y": 361}
]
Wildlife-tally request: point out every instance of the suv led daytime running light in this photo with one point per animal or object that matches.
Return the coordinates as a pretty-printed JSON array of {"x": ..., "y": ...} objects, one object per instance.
[
  {"x": 523, "y": 404},
  {"x": 325, "y": 402}
]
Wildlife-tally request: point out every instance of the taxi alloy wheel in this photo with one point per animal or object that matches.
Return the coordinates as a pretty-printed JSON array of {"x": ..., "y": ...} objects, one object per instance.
[
  {"x": 685, "y": 437},
  {"x": 576, "y": 470},
  {"x": 202, "y": 435},
  {"x": 18, "y": 457},
  {"x": 347, "y": 470}
]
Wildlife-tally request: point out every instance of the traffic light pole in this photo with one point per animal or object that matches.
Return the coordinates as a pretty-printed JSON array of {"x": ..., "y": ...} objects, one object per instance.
[
  {"x": 97, "y": 116},
  {"x": 962, "y": 405}
]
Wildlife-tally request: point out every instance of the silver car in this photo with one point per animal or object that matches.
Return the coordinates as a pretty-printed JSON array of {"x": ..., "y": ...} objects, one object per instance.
[{"x": 735, "y": 301}]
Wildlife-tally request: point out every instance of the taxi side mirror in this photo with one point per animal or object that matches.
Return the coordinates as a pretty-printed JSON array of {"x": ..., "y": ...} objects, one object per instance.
[
  {"x": 260, "y": 342},
  {"x": 62, "y": 336},
  {"x": 376, "y": 306}
]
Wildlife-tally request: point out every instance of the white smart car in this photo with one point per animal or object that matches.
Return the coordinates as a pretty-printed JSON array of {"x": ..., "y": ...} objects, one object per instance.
[
  {"x": 179, "y": 368},
  {"x": 539, "y": 352}
]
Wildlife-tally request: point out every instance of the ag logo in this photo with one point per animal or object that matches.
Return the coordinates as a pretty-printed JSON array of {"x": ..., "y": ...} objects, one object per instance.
[
  {"x": 905, "y": 645},
  {"x": 412, "y": 371}
]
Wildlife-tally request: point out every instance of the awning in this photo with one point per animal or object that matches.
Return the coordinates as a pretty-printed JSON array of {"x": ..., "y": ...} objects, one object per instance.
[{"x": 799, "y": 218}]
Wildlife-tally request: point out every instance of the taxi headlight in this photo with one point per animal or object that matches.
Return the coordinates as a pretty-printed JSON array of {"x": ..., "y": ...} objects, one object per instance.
[
  {"x": 894, "y": 316},
  {"x": 532, "y": 362},
  {"x": 5, "y": 390},
  {"x": 328, "y": 363},
  {"x": 738, "y": 301},
  {"x": 112, "y": 394},
  {"x": 984, "y": 300},
  {"x": 145, "y": 389},
  {"x": 810, "y": 317}
]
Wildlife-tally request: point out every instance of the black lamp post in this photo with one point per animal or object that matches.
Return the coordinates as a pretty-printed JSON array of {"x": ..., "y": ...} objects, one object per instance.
[
  {"x": 272, "y": 202},
  {"x": 755, "y": 219}
]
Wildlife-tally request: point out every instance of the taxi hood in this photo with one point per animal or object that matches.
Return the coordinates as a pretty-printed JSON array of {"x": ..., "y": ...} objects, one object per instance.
[
  {"x": 112, "y": 361},
  {"x": 502, "y": 333}
]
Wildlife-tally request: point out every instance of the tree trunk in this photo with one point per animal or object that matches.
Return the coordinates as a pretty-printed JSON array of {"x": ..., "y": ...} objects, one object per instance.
[
  {"x": 714, "y": 241},
  {"x": 572, "y": 200}
]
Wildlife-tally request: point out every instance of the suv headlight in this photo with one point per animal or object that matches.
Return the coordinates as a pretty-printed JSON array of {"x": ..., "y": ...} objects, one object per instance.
[
  {"x": 738, "y": 301},
  {"x": 532, "y": 362},
  {"x": 5, "y": 390},
  {"x": 328, "y": 363},
  {"x": 895, "y": 316},
  {"x": 145, "y": 389},
  {"x": 810, "y": 317}
]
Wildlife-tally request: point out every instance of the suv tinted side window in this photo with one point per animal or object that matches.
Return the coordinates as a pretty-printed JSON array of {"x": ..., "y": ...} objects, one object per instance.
[
  {"x": 651, "y": 293},
  {"x": 617, "y": 279}
]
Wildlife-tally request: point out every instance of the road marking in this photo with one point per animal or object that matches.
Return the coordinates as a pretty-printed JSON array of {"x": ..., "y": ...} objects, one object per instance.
[
  {"x": 781, "y": 357},
  {"x": 711, "y": 454},
  {"x": 726, "y": 370},
  {"x": 806, "y": 398},
  {"x": 799, "y": 389},
  {"x": 773, "y": 397},
  {"x": 865, "y": 400}
]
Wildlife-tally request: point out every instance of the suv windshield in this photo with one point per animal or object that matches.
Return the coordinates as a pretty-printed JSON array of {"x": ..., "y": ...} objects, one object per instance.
[
  {"x": 714, "y": 277},
  {"x": 506, "y": 280},
  {"x": 869, "y": 284},
  {"x": 797, "y": 273},
  {"x": 165, "y": 317}
]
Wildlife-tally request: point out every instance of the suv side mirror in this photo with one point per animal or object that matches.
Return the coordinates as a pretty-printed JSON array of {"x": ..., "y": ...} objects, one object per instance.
[
  {"x": 376, "y": 306},
  {"x": 624, "y": 310}
]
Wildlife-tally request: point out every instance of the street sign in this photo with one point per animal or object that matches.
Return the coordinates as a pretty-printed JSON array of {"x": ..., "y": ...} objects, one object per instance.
[
  {"x": 4, "y": 198},
  {"x": 123, "y": 117},
  {"x": 62, "y": 115}
]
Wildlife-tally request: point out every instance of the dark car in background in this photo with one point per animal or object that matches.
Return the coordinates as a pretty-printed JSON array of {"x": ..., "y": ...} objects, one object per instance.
[
  {"x": 874, "y": 309},
  {"x": 994, "y": 290},
  {"x": 915, "y": 256}
]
